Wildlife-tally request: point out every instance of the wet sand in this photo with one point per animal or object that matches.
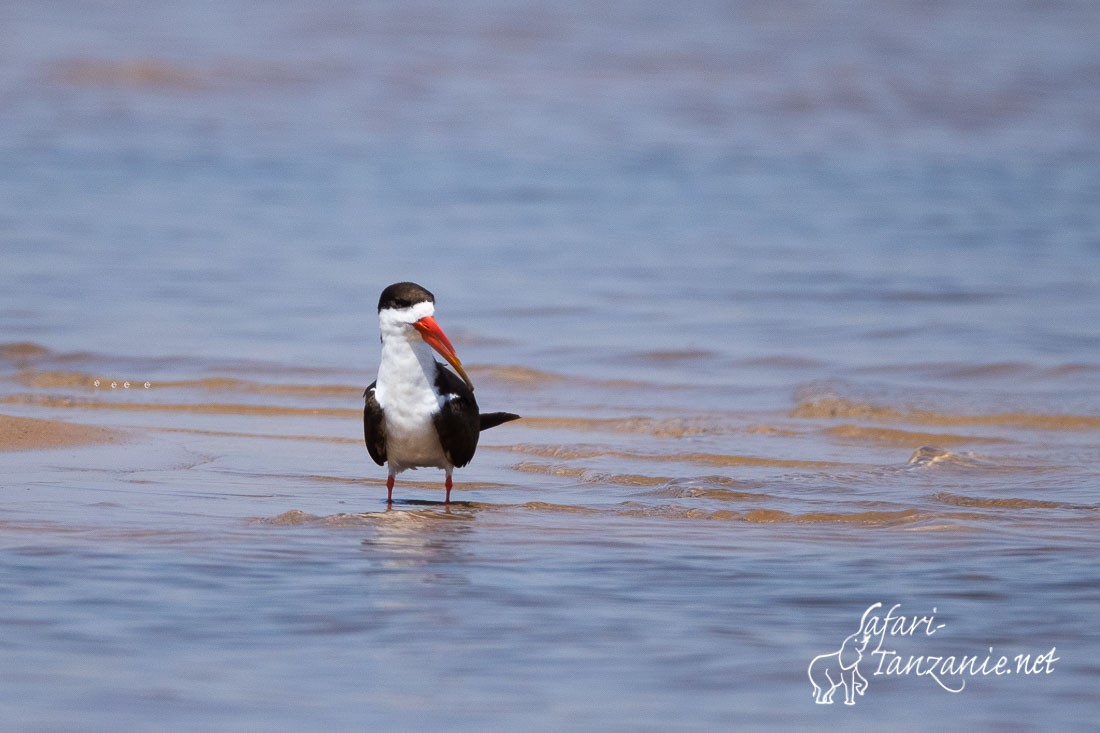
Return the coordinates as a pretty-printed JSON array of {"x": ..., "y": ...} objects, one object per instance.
[
  {"x": 22, "y": 433},
  {"x": 698, "y": 464}
]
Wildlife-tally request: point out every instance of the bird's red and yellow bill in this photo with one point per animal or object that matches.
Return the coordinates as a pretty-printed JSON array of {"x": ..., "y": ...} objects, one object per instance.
[{"x": 433, "y": 335}]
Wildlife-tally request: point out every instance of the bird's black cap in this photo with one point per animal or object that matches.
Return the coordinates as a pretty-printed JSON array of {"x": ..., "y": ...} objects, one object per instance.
[{"x": 404, "y": 295}]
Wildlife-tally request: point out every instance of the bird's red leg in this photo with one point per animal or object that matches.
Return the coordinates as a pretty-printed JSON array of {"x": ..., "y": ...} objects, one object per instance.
[
  {"x": 389, "y": 489},
  {"x": 448, "y": 485}
]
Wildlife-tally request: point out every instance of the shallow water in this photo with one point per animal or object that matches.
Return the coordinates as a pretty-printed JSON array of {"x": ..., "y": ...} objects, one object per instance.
[{"x": 799, "y": 306}]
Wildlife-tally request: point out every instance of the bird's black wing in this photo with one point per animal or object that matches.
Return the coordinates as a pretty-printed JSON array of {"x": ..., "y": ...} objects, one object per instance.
[
  {"x": 457, "y": 421},
  {"x": 374, "y": 427}
]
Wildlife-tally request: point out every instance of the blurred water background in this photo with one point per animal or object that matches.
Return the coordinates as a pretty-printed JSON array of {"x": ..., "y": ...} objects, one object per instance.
[{"x": 799, "y": 301}]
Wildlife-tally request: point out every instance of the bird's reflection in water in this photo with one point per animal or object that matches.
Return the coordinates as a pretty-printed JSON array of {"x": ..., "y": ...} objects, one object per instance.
[{"x": 431, "y": 535}]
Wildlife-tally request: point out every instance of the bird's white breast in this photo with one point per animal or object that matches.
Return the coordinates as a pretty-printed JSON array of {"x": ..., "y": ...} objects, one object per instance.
[{"x": 405, "y": 392}]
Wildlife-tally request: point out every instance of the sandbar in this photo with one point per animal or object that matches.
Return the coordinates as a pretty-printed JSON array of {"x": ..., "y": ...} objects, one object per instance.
[{"x": 27, "y": 433}]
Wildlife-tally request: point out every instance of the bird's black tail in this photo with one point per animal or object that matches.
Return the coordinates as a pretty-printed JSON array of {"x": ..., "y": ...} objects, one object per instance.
[{"x": 492, "y": 419}]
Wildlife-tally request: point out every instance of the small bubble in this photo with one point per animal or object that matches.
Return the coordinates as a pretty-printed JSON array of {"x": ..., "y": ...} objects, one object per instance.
[
  {"x": 147, "y": 385},
  {"x": 96, "y": 383},
  {"x": 114, "y": 385},
  {"x": 126, "y": 385}
]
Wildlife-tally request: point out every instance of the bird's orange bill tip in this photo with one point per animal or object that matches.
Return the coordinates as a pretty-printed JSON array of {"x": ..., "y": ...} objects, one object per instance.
[{"x": 433, "y": 335}]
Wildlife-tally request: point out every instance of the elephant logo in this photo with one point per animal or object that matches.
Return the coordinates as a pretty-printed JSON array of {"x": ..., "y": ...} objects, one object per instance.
[{"x": 840, "y": 669}]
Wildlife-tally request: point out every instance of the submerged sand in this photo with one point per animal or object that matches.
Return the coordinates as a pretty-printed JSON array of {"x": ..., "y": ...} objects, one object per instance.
[{"x": 25, "y": 433}]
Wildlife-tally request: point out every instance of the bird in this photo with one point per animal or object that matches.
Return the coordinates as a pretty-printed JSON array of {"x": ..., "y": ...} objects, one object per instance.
[{"x": 418, "y": 413}]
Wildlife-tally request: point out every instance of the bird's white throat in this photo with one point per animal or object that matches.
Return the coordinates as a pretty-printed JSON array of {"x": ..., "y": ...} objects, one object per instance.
[{"x": 405, "y": 390}]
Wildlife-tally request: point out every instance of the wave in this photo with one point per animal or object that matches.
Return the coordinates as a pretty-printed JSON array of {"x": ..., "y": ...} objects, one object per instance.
[
  {"x": 22, "y": 354},
  {"x": 438, "y": 513},
  {"x": 658, "y": 427},
  {"x": 714, "y": 493},
  {"x": 675, "y": 356},
  {"x": 710, "y": 487},
  {"x": 570, "y": 452},
  {"x": 588, "y": 475},
  {"x": 869, "y": 518},
  {"x": 997, "y": 503},
  {"x": 198, "y": 408},
  {"x": 261, "y": 436},
  {"x": 403, "y": 518},
  {"x": 928, "y": 457},
  {"x": 518, "y": 375},
  {"x": 873, "y": 518},
  {"x": 21, "y": 351},
  {"x": 431, "y": 513},
  {"x": 30, "y": 358},
  {"x": 150, "y": 73},
  {"x": 59, "y": 379},
  {"x": 902, "y": 438},
  {"x": 165, "y": 75},
  {"x": 837, "y": 408}
]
